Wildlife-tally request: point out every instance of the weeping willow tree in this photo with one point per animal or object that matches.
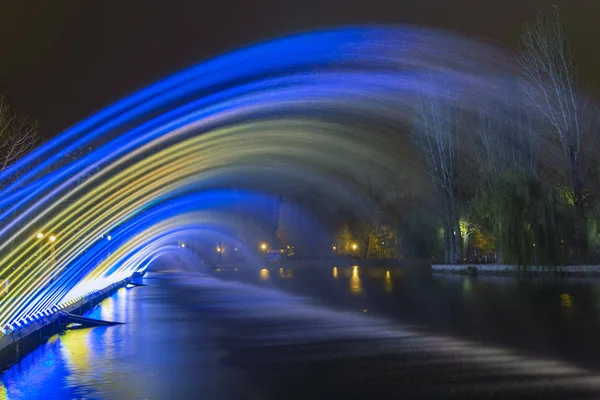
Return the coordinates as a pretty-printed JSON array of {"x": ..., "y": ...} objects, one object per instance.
[
  {"x": 531, "y": 221},
  {"x": 593, "y": 225},
  {"x": 505, "y": 149}
]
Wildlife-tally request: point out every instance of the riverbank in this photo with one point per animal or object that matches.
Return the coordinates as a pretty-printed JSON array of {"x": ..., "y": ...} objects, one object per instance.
[
  {"x": 513, "y": 270},
  {"x": 16, "y": 344}
]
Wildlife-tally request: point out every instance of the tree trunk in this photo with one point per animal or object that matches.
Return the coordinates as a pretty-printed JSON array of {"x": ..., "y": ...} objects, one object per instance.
[
  {"x": 453, "y": 232},
  {"x": 447, "y": 246},
  {"x": 582, "y": 239},
  {"x": 457, "y": 242}
]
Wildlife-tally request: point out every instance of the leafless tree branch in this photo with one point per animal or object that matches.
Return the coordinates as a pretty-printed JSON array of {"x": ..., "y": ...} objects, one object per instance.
[
  {"x": 18, "y": 135},
  {"x": 436, "y": 134},
  {"x": 549, "y": 82}
]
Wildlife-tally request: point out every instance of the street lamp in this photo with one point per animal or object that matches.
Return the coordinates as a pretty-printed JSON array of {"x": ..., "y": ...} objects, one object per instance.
[
  {"x": 39, "y": 235},
  {"x": 52, "y": 238},
  {"x": 263, "y": 246},
  {"x": 182, "y": 244}
]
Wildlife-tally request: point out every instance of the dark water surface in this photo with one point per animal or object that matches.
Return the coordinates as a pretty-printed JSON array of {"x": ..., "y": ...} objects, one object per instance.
[{"x": 325, "y": 332}]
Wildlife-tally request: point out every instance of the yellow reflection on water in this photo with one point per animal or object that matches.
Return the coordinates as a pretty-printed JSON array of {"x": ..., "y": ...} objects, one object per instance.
[
  {"x": 53, "y": 339},
  {"x": 75, "y": 349},
  {"x": 107, "y": 311},
  {"x": 355, "y": 282},
  {"x": 566, "y": 300},
  {"x": 335, "y": 273},
  {"x": 285, "y": 273},
  {"x": 3, "y": 392},
  {"x": 388, "y": 285},
  {"x": 467, "y": 287},
  {"x": 264, "y": 274}
]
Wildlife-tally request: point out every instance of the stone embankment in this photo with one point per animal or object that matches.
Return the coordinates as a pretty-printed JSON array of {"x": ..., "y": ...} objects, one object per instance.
[{"x": 502, "y": 269}]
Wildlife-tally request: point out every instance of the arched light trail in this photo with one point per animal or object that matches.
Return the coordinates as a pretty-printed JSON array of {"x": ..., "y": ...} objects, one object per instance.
[
  {"x": 284, "y": 112},
  {"x": 184, "y": 164},
  {"x": 158, "y": 223}
]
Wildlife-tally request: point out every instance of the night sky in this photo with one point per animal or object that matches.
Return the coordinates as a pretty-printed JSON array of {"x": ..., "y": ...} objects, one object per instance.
[{"x": 64, "y": 59}]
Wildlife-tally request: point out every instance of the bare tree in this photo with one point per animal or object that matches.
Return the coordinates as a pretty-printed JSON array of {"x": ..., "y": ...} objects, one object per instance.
[
  {"x": 549, "y": 73},
  {"x": 436, "y": 134},
  {"x": 505, "y": 137},
  {"x": 18, "y": 135}
]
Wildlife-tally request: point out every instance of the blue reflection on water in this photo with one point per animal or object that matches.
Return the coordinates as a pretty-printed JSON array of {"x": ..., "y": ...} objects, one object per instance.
[{"x": 143, "y": 357}]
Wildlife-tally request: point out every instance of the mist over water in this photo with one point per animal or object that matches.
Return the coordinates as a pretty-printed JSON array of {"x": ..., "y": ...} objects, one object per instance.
[{"x": 193, "y": 333}]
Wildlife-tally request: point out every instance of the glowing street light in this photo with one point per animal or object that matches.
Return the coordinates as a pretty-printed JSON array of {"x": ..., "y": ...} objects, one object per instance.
[
  {"x": 263, "y": 246},
  {"x": 354, "y": 246},
  {"x": 334, "y": 248},
  {"x": 182, "y": 244},
  {"x": 109, "y": 237},
  {"x": 39, "y": 235},
  {"x": 218, "y": 249},
  {"x": 52, "y": 238}
]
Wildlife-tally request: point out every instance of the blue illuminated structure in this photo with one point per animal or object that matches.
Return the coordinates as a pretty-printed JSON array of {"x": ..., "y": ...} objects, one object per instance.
[{"x": 295, "y": 113}]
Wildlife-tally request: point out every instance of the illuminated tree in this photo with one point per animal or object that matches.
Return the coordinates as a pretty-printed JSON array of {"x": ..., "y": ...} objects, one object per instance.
[
  {"x": 385, "y": 195},
  {"x": 343, "y": 241},
  {"x": 384, "y": 242}
]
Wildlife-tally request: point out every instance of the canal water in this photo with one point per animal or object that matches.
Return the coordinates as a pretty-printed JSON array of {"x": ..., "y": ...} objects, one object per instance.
[{"x": 324, "y": 332}]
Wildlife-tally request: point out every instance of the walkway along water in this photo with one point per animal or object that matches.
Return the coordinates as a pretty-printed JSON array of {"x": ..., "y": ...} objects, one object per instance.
[
  {"x": 503, "y": 269},
  {"x": 16, "y": 344}
]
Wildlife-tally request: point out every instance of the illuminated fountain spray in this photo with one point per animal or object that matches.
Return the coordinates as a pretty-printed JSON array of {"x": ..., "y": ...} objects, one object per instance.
[{"x": 295, "y": 114}]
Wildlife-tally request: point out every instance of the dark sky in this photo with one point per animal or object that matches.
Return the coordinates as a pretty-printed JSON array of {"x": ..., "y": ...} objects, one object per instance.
[{"x": 64, "y": 59}]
